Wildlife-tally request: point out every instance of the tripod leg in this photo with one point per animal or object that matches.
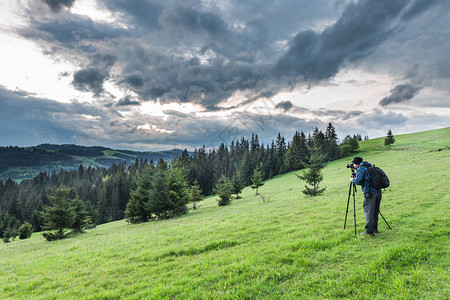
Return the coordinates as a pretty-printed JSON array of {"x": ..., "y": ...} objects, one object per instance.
[
  {"x": 385, "y": 221},
  {"x": 348, "y": 201},
  {"x": 354, "y": 206}
]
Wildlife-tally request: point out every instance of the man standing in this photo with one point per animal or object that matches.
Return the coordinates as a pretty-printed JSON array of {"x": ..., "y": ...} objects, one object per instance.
[{"x": 372, "y": 196}]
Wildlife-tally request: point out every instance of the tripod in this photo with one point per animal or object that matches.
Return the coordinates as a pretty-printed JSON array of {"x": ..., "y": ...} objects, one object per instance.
[
  {"x": 351, "y": 188},
  {"x": 352, "y": 191}
]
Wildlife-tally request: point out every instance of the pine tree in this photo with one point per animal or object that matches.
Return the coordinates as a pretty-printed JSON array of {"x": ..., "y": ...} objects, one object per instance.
[
  {"x": 169, "y": 195},
  {"x": 25, "y": 231},
  {"x": 59, "y": 216},
  {"x": 14, "y": 209},
  {"x": 178, "y": 197},
  {"x": 332, "y": 146},
  {"x": 245, "y": 167},
  {"x": 389, "y": 140},
  {"x": 137, "y": 208},
  {"x": 280, "y": 155},
  {"x": 297, "y": 152},
  {"x": 224, "y": 190},
  {"x": 237, "y": 184},
  {"x": 195, "y": 194},
  {"x": 137, "y": 211},
  {"x": 257, "y": 178},
  {"x": 158, "y": 196},
  {"x": 78, "y": 208},
  {"x": 313, "y": 175}
]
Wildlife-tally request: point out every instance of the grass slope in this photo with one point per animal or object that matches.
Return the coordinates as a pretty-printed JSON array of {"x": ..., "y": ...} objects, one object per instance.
[{"x": 286, "y": 247}]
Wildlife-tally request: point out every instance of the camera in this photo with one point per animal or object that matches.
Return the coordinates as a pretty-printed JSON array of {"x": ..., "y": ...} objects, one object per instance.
[{"x": 350, "y": 166}]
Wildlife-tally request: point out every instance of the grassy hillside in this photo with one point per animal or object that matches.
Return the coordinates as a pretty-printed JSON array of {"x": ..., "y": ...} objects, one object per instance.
[{"x": 286, "y": 247}]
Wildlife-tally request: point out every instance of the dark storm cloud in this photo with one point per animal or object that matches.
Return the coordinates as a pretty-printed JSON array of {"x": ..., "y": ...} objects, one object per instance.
[
  {"x": 362, "y": 27},
  {"x": 205, "y": 52},
  {"x": 75, "y": 30},
  {"x": 135, "y": 81},
  {"x": 92, "y": 78},
  {"x": 351, "y": 114},
  {"x": 206, "y": 30},
  {"x": 72, "y": 37},
  {"x": 41, "y": 120},
  {"x": 321, "y": 112},
  {"x": 143, "y": 14},
  {"x": 418, "y": 7},
  {"x": 185, "y": 19},
  {"x": 399, "y": 94},
  {"x": 89, "y": 80},
  {"x": 284, "y": 105},
  {"x": 154, "y": 75},
  {"x": 56, "y": 5},
  {"x": 127, "y": 101},
  {"x": 223, "y": 58}
]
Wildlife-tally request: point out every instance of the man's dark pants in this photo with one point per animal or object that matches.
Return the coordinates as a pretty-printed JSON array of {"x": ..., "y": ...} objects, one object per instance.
[{"x": 371, "y": 207}]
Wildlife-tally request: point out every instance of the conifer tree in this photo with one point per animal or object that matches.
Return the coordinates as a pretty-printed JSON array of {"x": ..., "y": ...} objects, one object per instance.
[
  {"x": 237, "y": 184},
  {"x": 158, "y": 197},
  {"x": 389, "y": 139},
  {"x": 280, "y": 155},
  {"x": 14, "y": 208},
  {"x": 59, "y": 216},
  {"x": 332, "y": 147},
  {"x": 313, "y": 175},
  {"x": 257, "y": 178},
  {"x": 137, "y": 210},
  {"x": 178, "y": 196},
  {"x": 297, "y": 152},
  {"x": 195, "y": 194},
  {"x": 224, "y": 190},
  {"x": 25, "y": 231},
  {"x": 78, "y": 208},
  {"x": 169, "y": 194},
  {"x": 245, "y": 167}
]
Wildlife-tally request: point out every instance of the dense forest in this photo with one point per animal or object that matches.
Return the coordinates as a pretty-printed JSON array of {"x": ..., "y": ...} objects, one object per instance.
[
  {"x": 105, "y": 193},
  {"x": 27, "y": 162}
]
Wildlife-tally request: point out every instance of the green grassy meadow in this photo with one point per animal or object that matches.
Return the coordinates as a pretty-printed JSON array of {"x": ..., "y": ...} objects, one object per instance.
[{"x": 282, "y": 245}]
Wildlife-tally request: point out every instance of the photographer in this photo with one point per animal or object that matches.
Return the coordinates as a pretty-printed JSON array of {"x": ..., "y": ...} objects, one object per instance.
[{"x": 372, "y": 196}]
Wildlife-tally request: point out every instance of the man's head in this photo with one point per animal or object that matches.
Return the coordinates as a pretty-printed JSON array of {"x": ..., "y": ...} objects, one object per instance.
[{"x": 356, "y": 161}]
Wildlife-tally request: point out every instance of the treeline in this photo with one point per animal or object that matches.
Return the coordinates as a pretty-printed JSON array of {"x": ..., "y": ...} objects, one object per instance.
[
  {"x": 27, "y": 162},
  {"x": 24, "y": 157},
  {"x": 106, "y": 192}
]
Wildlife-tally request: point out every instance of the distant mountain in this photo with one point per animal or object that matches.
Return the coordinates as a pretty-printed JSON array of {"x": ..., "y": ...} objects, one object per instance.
[{"x": 19, "y": 163}]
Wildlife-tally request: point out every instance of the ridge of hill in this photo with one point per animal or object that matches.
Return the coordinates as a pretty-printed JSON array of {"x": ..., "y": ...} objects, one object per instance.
[
  {"x": 20, "y": 163},
  {"x": 277, "y": 245}
]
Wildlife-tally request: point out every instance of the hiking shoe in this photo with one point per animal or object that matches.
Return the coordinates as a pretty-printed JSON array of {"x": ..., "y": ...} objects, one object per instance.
[{"x": 367, "y": 233}]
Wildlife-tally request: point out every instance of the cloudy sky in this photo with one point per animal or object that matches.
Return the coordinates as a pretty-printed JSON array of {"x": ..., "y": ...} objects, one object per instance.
[{"x": 154, "y": 74}]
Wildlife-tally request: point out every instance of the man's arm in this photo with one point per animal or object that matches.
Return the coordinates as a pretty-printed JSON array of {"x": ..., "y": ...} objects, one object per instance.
[{"x": 359, "y": 176}]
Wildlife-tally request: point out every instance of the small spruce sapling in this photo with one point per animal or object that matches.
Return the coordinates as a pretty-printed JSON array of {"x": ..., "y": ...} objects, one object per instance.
[
  {"x": 25, "y": 231},
  {"x": 195, "y": 194},
  {"x": 313, "y": 175},
  {"x": 257, "y": 178},
  {"x": 224, "y": 190},
  {"x": 238, "y": 185}
]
